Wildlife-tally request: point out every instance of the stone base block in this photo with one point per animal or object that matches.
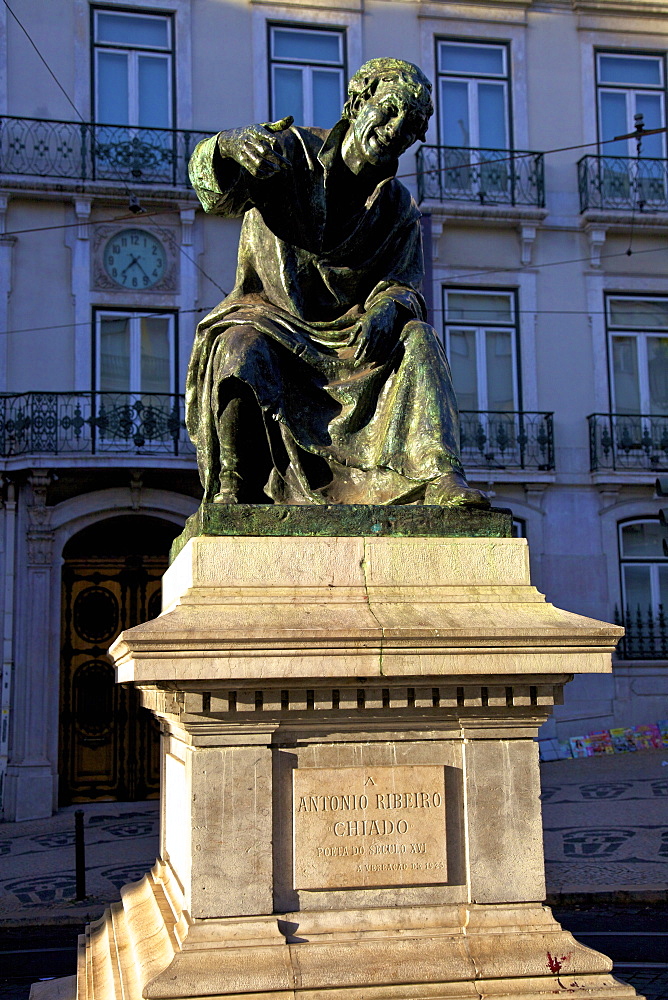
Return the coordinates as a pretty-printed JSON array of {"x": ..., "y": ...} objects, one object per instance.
[
  {"x": 350, "y": 784},
  {"x": 144, "y": 946}
]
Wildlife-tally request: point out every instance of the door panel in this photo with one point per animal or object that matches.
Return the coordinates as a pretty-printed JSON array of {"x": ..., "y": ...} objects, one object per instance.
[{"x": 109, "y": 745}]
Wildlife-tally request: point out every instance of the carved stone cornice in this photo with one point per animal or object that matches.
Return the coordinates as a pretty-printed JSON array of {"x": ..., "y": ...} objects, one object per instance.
[{"x": 621, "y": 8}]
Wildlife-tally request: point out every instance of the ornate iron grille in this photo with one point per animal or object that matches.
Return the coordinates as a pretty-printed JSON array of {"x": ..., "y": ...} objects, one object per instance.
[
  {"x": 646, "y": 635},
  {"x": 629, "y": 441},
  {"x": 484, "y": 176},
  {"x": 516, "y": 440},
  {"x": 84, "y": 151},
  {"x": 89, "y": 423},
  {"x": 622, "y": 182}
]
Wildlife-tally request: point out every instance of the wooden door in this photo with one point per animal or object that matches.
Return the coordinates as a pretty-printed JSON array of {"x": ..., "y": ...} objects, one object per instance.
[{"x": 109, "y": 745}]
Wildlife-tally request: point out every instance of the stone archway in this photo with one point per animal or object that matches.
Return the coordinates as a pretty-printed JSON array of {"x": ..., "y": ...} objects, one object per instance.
[{"x": 108, "y": 744}]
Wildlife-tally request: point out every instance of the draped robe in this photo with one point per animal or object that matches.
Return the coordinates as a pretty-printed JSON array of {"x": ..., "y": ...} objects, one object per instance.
[{"x": 330, "y": 428}]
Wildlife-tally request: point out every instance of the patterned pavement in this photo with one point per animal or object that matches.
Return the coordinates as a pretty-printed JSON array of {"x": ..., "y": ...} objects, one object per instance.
[
  {"x": 38, "y": 885},
  {"x": 605, "y": 824}
]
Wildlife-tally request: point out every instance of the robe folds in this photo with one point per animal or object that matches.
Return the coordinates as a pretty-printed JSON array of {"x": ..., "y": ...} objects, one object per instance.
[{"x": 330, "y": 427}]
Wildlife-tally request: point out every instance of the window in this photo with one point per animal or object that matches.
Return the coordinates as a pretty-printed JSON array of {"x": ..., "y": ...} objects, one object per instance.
[
  {"x": 133, "y": 92},
  {"x": 474, "y": 116},
  {"x": 307, "y": 70},
  {"x": 638, "y": 332},
  {"x": 628, "y": 85},
  {"x": 134, "y": 375},
  {"x": 481, "y": 344},
  {"x": 473, "y": 95},
  {"x": 519, "y": 528},
  {"x": 644, "y": 584},
  {"x": 135, "y": 354},
  {"x": 133, "y": 69},
  {"x": 480, "y": 341},
  {"x": 644, "y": 567}
]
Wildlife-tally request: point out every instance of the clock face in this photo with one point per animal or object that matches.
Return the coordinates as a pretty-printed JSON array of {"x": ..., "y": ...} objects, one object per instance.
[{"x": 135, "y": 259}]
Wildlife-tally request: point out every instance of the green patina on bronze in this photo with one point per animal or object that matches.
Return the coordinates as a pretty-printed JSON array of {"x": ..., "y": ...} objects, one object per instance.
[
  {"x": 343, "y": 519},
  {"x": 318, "y": 380}
]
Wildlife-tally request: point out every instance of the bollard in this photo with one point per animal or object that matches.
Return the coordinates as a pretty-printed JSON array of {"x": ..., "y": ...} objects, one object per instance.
[{"x": 80, "y": 854}]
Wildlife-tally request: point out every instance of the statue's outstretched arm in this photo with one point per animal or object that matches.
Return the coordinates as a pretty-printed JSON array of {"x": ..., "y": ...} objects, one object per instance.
[
  {"x": 256, "y": 148},
  {"x": 224, "y": 168}
]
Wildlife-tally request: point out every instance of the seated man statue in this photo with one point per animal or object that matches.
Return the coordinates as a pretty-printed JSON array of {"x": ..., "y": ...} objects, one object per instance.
[{"x": 317, "y": 380}]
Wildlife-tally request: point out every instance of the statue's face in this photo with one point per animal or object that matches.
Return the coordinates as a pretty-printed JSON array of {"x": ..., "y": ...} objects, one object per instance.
[{"x": 385, "y": 126}]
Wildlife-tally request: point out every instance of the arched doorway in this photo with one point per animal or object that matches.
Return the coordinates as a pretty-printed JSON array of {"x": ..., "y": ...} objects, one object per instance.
[{"x": 108, "y": 745}]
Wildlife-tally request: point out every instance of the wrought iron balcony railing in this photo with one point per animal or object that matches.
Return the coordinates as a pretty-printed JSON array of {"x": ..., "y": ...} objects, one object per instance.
[
  {"x": 628, "y": 441},
  {"x": 86, "y": 152},
  {"x": 623, "y": 183},
  {"x": 92, "y": 423},
  {"x": 483, "y": 176},
  {"x": 646, "y": 635},
  {"x": 516, "y": 440}
]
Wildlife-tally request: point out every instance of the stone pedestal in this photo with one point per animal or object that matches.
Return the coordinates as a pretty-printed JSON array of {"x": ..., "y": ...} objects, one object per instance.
[{"x": 350, "y": 801}]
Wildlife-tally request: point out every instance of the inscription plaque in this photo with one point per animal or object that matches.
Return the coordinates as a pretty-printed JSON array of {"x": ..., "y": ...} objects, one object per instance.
[{"x": 369, "y": 826}]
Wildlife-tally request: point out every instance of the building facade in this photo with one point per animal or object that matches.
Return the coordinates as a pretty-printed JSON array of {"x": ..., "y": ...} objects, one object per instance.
[{"x": 546, "y": 277}]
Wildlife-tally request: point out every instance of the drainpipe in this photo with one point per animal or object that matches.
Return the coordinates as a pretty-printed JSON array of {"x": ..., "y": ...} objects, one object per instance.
[{"x": 7, "y": 633}]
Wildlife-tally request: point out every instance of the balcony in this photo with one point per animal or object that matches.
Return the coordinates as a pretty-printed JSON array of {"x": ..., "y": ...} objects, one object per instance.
[
  {"x": 92, "y": 423},
  {"x": 636, "y": 441},
  {"x": 646, "y": 635},
  {"x": 82, "y": 151},
  {"x": 517, "y": 440},
  {"x": 623, "y": 184},
  {"x": 480, "y": 176}
]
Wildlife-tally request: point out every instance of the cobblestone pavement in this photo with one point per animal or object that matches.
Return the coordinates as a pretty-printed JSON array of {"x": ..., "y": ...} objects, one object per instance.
[
  {"x": 650, "y": 982},
  {"x": 38, "y": 885},
  {"x": 605, "y": 823}
]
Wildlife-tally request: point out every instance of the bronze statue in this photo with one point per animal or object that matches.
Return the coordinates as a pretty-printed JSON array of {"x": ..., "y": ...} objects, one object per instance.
[{"x": 317, "y": 380}]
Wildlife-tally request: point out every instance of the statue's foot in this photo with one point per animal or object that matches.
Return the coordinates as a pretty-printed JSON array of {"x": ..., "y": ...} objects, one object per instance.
[
  {"x": 226, "y": 496},
  {"x": 452, "y": 490},
  {"x": 229, "y": 488}
]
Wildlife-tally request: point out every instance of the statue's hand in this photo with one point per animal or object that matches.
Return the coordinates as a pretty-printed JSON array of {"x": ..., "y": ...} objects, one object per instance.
[
  {"x": 256, "y": 147},
  {"x": 375, "y": 330}
]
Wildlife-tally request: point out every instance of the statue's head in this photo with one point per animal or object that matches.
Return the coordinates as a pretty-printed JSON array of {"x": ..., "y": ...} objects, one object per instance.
[{"x": 389, "y": 106}]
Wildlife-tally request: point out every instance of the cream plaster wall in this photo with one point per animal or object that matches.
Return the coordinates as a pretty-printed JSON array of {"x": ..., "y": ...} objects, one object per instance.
[
  {"x": 31, "y": 91},
  {"x": 39, "y": 358}
]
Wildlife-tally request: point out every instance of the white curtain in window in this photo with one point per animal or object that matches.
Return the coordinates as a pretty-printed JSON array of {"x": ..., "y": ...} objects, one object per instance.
[
  {"x": 625, "y": 372},
  {"x": 155, "y": 354},
  {"x": 114, "y": 355},
  {"x": 500, "y": 379},
  {"x": 463, "y": 363},
  {"x": 657, "y": 369}
]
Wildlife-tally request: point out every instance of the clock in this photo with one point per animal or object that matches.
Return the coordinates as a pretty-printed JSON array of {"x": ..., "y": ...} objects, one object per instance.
[{"x": 135, "y": 259}]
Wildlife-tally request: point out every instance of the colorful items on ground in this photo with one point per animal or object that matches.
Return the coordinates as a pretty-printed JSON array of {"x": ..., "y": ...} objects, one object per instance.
[{"x": 618, "y": 740}]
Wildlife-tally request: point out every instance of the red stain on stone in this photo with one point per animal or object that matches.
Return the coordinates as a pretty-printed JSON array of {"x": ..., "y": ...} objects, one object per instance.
[{"x": 555, "y": 964}]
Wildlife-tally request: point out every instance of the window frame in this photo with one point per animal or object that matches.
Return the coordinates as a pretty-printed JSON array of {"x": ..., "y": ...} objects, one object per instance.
[
  {"x": 623, "y": 561},
  {"x": 514, "y": 326},
  {"x": 612, "y": 331},
  {"x": 339, "y": 30},
  {"x": 135, "y": 314},
  {"x": 601, "y": 87},
  {"x": 505, "y": 45},
  {"x": 134, "y": 50},
  {"x": 519, "y": 527}
]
